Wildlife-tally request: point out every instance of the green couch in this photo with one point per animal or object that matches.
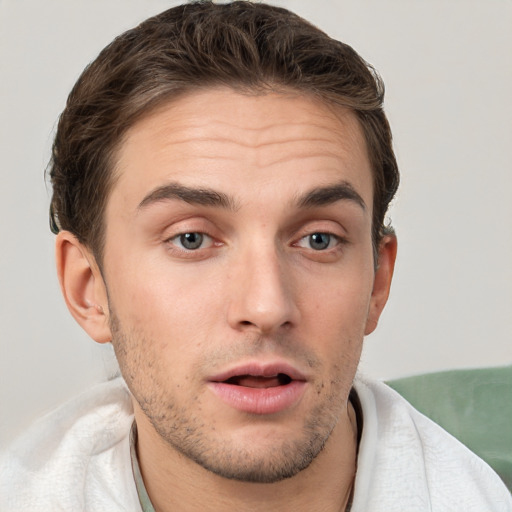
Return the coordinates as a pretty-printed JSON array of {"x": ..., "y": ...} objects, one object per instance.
[{"x": 475, "y": 406}]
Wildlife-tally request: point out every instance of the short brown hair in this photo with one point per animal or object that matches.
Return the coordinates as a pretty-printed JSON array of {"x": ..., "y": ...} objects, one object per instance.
[{"x": 243, "y": 45}]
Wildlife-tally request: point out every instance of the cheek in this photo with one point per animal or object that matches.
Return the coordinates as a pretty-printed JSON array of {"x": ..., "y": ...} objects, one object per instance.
[
  {"x": 340, "y": 302},
  {"x": 169, "y": 307},
  {"x": 336, "y": 317}
]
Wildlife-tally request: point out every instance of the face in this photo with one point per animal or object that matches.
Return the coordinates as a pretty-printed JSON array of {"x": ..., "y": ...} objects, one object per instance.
[{"x": 239, "y": 270}]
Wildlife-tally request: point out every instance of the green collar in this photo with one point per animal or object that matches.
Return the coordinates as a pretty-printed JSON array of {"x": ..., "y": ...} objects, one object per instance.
[{"x": 145, "y": 502}]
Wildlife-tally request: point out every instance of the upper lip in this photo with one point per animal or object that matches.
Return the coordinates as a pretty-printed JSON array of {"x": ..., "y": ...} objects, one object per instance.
[{"x": 259, "y": 369}]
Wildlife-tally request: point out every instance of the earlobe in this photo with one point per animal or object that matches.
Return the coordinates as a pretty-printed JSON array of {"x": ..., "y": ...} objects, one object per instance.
[
  {"x": 82, "y": 286},
  {"x": 382, "y": 282}
]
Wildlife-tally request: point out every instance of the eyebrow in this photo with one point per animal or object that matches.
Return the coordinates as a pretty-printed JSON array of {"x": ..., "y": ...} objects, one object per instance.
[
  {"x": 192, "y": 195},
  {"x": 324, "y": 196},
  {"x": 317, "y": 197}
]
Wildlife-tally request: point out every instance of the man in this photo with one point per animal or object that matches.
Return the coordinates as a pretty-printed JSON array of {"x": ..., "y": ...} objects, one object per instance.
[{"x": 220, "y": 179}]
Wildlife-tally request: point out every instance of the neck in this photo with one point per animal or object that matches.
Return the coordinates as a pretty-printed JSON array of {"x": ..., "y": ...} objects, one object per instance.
[{"x": 176, "y": 483}]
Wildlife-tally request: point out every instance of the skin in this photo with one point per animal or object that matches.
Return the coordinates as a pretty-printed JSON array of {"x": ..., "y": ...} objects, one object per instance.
[{"x": 257, "y": 289}]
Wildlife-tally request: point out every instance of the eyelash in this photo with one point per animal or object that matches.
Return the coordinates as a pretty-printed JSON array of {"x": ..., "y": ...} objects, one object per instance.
[
  {"x": 332, "y": 238},
  {"x": 334, "y": 243},
  {"x": 175, "y": 246}
]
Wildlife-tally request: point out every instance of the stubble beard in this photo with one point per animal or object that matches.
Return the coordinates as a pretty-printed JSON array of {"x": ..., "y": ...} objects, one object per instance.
[
  {"x": 196, "y": 441},
  {"x": 187, "y": 434}
]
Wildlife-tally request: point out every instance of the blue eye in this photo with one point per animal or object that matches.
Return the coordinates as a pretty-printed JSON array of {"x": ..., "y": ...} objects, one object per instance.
[
  {"x": 191, "y": 241},
  {"x": 319, "y": 241}
]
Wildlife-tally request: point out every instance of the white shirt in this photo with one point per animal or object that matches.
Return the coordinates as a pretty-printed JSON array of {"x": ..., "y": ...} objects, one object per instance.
[
  {"x": 78, "y": 458},
  {"x": 408, "y": 463}
]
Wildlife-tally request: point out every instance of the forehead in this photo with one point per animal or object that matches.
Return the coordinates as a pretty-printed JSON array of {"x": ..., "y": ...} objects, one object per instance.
[{"x": 242, "y": 143}]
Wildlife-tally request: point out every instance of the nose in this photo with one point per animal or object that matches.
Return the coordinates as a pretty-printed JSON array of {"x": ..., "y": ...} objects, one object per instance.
[{"x": 262, "y": 295}]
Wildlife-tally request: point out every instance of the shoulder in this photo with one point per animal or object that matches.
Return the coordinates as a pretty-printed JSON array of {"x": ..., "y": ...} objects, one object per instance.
[
  {"x": 406, "y": 461},
  {"x": 66, "y": 459}
]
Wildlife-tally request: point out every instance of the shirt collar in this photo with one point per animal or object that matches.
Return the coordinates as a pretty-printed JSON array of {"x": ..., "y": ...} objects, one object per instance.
[{"x": 145, "y": 502}]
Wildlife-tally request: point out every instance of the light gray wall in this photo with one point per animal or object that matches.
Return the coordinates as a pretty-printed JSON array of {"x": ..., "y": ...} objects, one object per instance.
[{"x": 448, "y": 70}]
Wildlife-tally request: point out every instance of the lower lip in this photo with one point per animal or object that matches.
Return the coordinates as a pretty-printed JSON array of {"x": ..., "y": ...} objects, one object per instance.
[{"x": 259, "y": 400}]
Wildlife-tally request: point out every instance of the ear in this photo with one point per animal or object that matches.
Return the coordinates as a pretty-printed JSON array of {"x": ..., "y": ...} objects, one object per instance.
[
  {"x": 382, "y": 282},
  {"x": 82, "y": 286}
]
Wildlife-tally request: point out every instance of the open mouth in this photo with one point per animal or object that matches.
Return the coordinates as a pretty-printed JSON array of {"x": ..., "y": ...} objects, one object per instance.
[
  {"x": 260, "y": 389},
  {"x": 256, "y": 381}
]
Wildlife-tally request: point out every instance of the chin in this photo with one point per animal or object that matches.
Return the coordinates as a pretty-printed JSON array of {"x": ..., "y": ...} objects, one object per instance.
[{"x": 272, "y": 467}]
